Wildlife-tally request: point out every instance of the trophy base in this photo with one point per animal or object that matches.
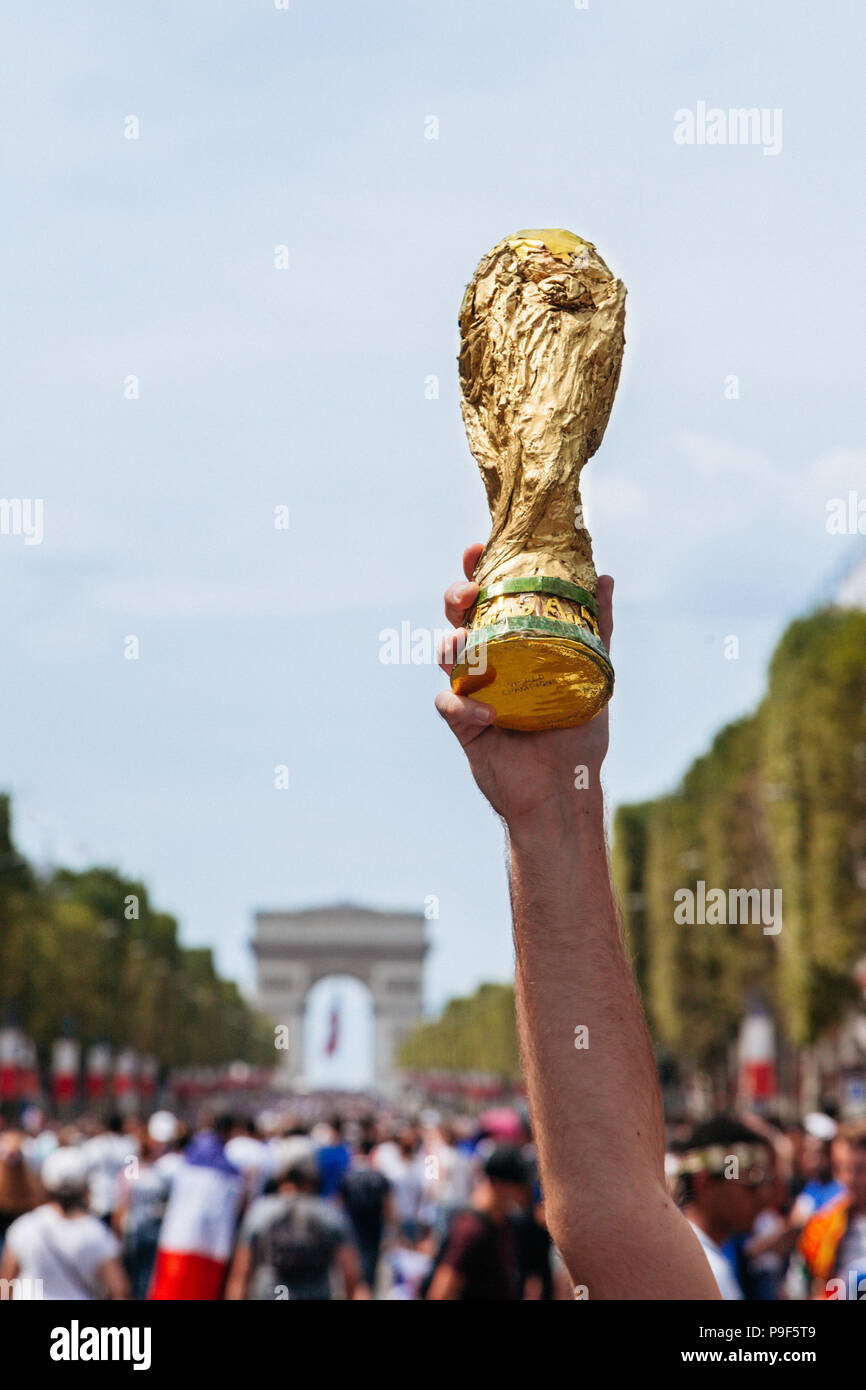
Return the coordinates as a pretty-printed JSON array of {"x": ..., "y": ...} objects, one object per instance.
[{"x": 533, "y": 653}]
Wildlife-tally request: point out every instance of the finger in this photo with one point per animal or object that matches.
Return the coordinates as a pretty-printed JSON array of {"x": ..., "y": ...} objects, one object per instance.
[
  {"x": 450, "y": 649},
  {"x": 465, "y": 718},
  {"x": 471, "y": 556},
  {"x": 458, "y": 598},
  {"x": 604, "y": 594}
]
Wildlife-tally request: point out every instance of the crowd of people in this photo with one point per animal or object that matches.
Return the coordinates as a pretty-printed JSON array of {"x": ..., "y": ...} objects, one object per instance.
[
  {"x": 303, "y": 1202},
  {"x": 780, "y": 1211}
]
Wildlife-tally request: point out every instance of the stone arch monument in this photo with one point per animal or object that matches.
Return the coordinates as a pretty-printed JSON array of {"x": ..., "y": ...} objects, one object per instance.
[{"x": 384, "y": 950}]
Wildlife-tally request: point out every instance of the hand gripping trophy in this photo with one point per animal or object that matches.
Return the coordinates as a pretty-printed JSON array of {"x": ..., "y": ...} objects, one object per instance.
[{"x": 541, "y": 330}]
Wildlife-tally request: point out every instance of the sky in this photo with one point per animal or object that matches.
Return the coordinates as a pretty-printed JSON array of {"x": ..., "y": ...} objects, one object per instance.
[{"x": 235, "y": 244}]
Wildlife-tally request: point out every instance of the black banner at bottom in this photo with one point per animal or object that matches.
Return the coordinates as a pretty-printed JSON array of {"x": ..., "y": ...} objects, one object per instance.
[{"x": 65, "y": 1339}]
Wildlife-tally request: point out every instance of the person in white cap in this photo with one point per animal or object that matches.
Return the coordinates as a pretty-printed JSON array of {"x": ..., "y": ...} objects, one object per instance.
[
  {"x": 162, "y": 1127},
  {"x": 61, "y": 1251},
  {"x": 165, "y": 1131}
]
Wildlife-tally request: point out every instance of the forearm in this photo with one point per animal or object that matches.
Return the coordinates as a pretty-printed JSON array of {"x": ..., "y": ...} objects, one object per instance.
[
  {"x": 596, "y": 1109},
  {"x": 239, "y": 1273},
  {"x": 589, "y": 1067}
]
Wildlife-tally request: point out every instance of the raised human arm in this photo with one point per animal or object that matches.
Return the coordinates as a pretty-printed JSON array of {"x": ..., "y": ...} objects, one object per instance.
[{"x": 590, "y": 1074}]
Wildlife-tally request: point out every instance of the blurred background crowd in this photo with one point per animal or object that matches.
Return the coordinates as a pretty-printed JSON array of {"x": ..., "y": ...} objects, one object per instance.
[{"x": 344, "y": 1196}]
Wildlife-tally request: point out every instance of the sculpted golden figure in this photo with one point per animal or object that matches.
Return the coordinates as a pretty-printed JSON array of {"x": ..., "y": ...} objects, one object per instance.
[{"x": 541, "y": 327}]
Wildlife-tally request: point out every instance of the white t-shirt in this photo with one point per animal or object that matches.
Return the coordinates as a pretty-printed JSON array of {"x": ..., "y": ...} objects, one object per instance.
[
  {"x": 106, "y": 1155},
  {"x": 252, "y": 1158},
  {"x": 168, "y": 1164},
  {"x": 64, "y": 1252},
  {"x": 720, "y": 1265},
  {"x": 406, "y": 1176}
]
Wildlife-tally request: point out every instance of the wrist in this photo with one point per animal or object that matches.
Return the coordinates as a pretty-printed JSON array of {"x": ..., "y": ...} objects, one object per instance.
[{"x": 559, "y": 818}]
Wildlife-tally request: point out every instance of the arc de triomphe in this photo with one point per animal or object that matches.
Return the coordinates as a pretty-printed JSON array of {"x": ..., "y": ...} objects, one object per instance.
[{"x": 385, "y": 950}]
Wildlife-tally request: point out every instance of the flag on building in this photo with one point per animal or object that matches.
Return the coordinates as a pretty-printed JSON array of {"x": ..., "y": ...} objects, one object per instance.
[
  {"x": 124, "y": 1083},
  {"x": 757, "y": 1048},
  {"x": 97, "y": 1066},
  {"x": 333, "y": 1038},
  {"x": 65, "y": 1064},
  {"x": 10, "y": 1050}
]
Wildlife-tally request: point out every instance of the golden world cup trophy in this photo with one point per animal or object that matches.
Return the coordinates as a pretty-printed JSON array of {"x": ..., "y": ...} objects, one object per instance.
[{"x": 541, "y": 343}]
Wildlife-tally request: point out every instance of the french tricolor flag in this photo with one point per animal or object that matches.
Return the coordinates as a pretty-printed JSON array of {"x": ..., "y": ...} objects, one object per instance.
[
  {"x": 198, "y": 1229},
  {"x": 333, "y": 1038}
]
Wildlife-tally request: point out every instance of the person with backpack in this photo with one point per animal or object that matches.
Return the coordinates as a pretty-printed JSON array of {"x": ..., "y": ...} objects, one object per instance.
[
  {"x": 292, "y": 1242},
  {"x": 480, "y": 1257}
]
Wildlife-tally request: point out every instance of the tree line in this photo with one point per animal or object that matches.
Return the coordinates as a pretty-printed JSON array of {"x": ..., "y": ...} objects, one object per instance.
[
  {"x": 85, "y": 954},
  {"x": 777, "y": 803}
]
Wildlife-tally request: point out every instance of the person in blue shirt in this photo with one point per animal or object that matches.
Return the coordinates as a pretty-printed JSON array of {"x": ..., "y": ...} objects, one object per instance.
[
  {"x": 820, "y": 1186},
  {"x": 333, "y": 1160}
]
